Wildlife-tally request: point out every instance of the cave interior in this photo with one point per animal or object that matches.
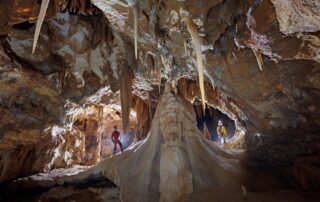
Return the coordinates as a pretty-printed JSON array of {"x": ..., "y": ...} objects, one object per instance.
[{"x": 164, "y": 73}]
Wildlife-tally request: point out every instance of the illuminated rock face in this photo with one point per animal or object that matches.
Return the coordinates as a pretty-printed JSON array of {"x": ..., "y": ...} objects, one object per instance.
[
  {"x": 174, "y": 160},
  {"x": 37, "y": 94},
  {"x": 298, "y": 16},
  {"x": 175, "y": 172}
]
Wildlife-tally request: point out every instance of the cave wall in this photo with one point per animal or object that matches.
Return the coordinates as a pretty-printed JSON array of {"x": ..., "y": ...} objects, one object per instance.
[
  {"x": 261, "y": 63},
  {"x": 76, "y": 55},
  {"x": 256, "y": 53}
]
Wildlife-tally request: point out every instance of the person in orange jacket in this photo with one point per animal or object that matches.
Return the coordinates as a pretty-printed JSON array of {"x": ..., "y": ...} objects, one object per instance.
[
  {"x": 222, "y": 133},
  {"x": 115, "y": 137}
]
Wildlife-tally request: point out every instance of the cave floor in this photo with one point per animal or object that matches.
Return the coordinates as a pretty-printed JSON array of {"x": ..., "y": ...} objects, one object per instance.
[
  {"x": 268, "y": 196},
  {"x": 64, "y": 193},
  {"x": 99, "y": 190}
]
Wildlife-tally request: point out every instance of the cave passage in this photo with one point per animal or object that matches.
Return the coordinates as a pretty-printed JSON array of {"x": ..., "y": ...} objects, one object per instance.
[
  {"x": 210, "y": 118},
  {"x": 126, "y": 140},
  {"x": 97, "y": 125}
]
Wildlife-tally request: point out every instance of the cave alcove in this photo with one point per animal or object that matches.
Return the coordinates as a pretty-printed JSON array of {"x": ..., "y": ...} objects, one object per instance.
[{"x": 210, "y": 118}]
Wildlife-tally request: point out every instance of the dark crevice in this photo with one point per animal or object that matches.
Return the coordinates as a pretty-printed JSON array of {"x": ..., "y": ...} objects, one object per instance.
[
  {"x": 97, "y": 181},
  {"x": 145, "y": 14},
  {"x": 23, "y": 25},
  {"x": 35, "y": 193}
]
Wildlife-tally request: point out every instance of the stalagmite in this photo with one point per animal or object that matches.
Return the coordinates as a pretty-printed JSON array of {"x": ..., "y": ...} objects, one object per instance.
[
  {"x": 43, "y": 9},
  {"x": 258, "y": 56},
  {"x": 135, "y": 30},
  {"x": 197, "y": 45}
]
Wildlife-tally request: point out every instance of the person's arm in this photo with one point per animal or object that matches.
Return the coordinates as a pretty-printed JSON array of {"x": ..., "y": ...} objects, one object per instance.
[
  {"x": 112, "y": 137},
  {"x": 218, "y": 131}
]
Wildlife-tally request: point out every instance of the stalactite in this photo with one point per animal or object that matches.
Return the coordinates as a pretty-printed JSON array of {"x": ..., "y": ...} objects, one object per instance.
[
  {"x": 152, "y": 64},
  {"x": 185, "y": 47},
  {"x": 142, "y": 111},
  {"x": 149, "y": 106},
  {"x": 84, "y": 7},
  {"x": 182, "y": 87},
  {"x": 234, "y": 55},
  {"x": 135, "y": 27},
  {"x": 197, "y": 45},
  {"x": 198, "y": 111},
  {"x": 126, "y": 79},
  {"x": 43, "y": 9},
  {"x": 244, "y": 191},
  {"x": 258, "y": 56},
  {"x": 73, "y": 6},
  {"x": 158, "y": 69},
  {"x": 206, "y": 132}
]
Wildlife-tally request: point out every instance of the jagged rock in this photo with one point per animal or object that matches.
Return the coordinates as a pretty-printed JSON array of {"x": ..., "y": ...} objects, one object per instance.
[{"x": 298, "y": 16}]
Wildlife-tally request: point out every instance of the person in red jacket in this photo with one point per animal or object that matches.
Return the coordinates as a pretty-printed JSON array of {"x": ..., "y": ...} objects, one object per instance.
[{"x": 115, "y": 137}]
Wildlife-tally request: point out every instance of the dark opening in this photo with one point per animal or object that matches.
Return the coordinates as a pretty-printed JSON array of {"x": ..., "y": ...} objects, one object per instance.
[
  {"x": 36, "y": 193},
  {"x": 211, "y": 118},
  {"x": 23, "y": 25}
]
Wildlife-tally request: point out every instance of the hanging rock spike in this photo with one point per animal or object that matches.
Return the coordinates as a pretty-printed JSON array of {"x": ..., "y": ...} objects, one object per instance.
[
  {"x": 126, "y": 80},
  {"x": 197, "y": 45},
  {"x": 158, "y": 73},
  {"x": 185, "y": 47},
  {"x": 135, "y": 30},
  {"x": 43, "y": 9},
  {"x": 259, "y": 59}
]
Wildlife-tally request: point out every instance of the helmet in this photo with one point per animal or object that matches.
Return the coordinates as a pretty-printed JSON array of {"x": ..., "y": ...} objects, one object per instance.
[{"x": 220, "y": 123}]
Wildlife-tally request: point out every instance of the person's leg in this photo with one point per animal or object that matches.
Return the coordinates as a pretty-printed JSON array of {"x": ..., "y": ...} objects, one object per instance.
[
  {"x": 115, "y": 147},
  {"x": 224, "y": 140},
  {"x": 120, "y": 146},
  {"x": 219, "y": 139}
]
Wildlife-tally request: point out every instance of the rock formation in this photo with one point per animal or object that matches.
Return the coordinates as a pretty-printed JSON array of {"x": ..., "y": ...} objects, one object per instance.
[
  {"x": 102, "y": 63},
  {"x": 174, "y": 160}
]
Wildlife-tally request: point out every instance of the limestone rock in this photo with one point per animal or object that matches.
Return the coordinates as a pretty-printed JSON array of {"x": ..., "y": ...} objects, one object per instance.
[
  {"x": 174, "y": 160},
  {"x": 298, "y": 16}
]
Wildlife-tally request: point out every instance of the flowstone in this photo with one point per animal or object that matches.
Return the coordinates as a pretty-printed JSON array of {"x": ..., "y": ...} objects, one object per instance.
[{"x": 174, "y": 160}]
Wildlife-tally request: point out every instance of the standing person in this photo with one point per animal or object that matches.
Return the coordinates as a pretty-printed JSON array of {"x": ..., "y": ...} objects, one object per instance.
[
  {"x": 115, "y": 137},
  {"x": 222, "y": 132}
]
